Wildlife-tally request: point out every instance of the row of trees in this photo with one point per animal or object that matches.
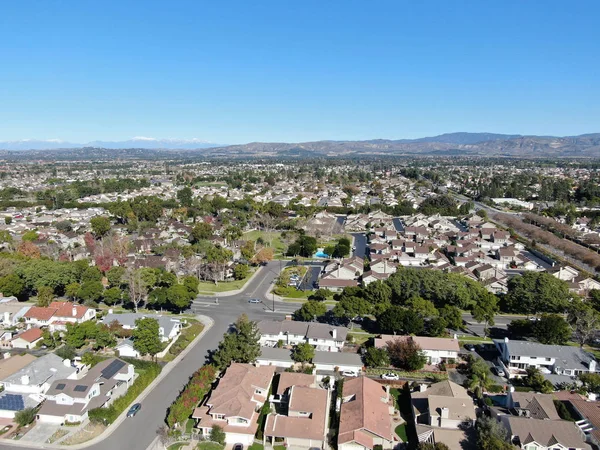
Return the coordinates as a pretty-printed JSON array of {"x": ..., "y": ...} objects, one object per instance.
[{"x": 401, "y": 353}]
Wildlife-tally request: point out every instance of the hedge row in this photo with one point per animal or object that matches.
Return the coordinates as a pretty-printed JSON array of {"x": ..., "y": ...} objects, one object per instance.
[
  {"x": 109, "y": 415},
  {"x": 198, "y": 386}
]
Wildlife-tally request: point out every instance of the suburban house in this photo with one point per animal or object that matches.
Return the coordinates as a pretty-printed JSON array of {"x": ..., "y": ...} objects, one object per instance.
[
  {"x": 168, "y": 327},
  {"x": 126, "y": 348},
  {"x": 25, "y": 387},
  {"x": 58, "y": 314},
  {"x": 11, "y": 364},
  {"x": 517, "y": 356},
  {"x": 305, "y": 421},
  {"x": 587, "y": 413},
  {"x": 437, "y": 350},
  {"x": 366, "y": 416},
  {"x": 28, "y": 339},
  {"x": 531, "y": 404},
  {"x": 439, "y": 412},
  {"x": 68, "y": 401},
  {"x": 335, "y": 284},
  {"x": 235, "y": 403},
  {"x": 325, "y": 363},
  {"x": 543, "y": 434},
  {"x": 322, "y": 336}
]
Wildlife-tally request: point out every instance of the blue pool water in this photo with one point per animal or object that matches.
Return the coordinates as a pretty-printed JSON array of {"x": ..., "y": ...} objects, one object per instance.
[
  {"x": 320, "y": 254},
  {"x": 498, "y": 400}
]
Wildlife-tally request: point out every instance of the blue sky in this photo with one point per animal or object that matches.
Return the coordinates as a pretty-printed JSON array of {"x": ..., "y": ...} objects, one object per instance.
[{"x": 234, "y": 72}]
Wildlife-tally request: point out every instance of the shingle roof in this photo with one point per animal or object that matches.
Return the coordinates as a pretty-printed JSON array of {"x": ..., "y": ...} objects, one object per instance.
[
  {"x": 364, "y": 409},
  {"x": 546, "y": 432}
]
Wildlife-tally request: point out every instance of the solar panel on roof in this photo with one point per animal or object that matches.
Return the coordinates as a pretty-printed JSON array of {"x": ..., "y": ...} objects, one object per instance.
[
  {"x": 80, "y": 388},
  {"x": 12, "y": 402},
  {"x": 109, "y": 371},
  {"x": 60, "y": 386}
]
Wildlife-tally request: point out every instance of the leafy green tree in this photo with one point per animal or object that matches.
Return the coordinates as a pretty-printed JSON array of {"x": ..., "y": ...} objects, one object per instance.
[
  {"x": 400, "y": 320},
  {"x": 201, "y": 231},
  {"x": 100, "y": 226},
  {"x": 248, "y": 250},
  {"x": 376, "y": 357},
  {"x": 425, "y": 308},
  {"x": 146, "y": 338},
  {"x": 591, "y": 381},
  {"x": 113, "y": 296},
  {"x": 185, "y": 197},
  {"x": 436, "y": 326},
  {"x": 352, "y": 307},
  {"x": 178, "y": 297},
  {"x": 45, "y": 295},
  {"x": 520, "y": 328},
  {"x": 115, "y": 275},
  {"x": 91, "y": 273},
  {"x": 79, "y": 333},
  {"x": 537, "y": 292},
  {"x": 305, "y": 246},
  {"x": 25, "y": 416},
  {"x": 303, "y": 353},
  {"x": 217, "y": 435},
  {"x": 552, "y": 329},
  {"x": 406, "y": 354},
  {"x": 453, "y": 317},
  {"x": 104, "y": 338},
  {"x": 64, "y": 226},
  {"x": 7, "y": 220},
  {"x": 12, "y": 285},
  {"x": 241, "y": 345},
  {"x": 491, "y": 435},
  {"x": 91, "y": 291},
  {"x": 485, "y": 309},
  {"x": 191, "y": 284},
  {"x": 72, "y": 290},
  {"x": 241, "y": 271},
  {"x": 535, "y": 379},
  {"x": 310, "y": 310}
]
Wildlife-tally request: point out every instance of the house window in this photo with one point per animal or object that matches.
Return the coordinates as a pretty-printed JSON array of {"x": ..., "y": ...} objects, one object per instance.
[
  {"x": 219, "y": 416},
  {"x": 533, "y": 357},
  {"x": 548, "y": 359}
]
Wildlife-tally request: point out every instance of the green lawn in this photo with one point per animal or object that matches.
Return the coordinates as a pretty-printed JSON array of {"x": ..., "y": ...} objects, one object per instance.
[
  {"x": 208, "y": 287},
  {"x": 176, "y": 446},
  {"x": 360, "y": 338},
  {"x": 270, "y": 239},
  {"x": 189, "y": 425},
  {"x": 291, "y": 292},
  {"x": 209, "y": 446},
  {"x": 256, "y": 446},
  {"x": 401, "y": 432},
  {"x": 279, "y": 447},
  {"x": 188, "y": 334}
]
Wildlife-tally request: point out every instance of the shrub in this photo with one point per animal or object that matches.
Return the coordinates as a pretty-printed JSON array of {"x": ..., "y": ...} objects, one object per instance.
[{"x": 199, "y": 384}]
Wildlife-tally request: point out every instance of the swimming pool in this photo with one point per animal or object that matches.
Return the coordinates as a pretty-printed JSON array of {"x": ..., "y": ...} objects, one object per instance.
[{"x": 321, "y": 254}]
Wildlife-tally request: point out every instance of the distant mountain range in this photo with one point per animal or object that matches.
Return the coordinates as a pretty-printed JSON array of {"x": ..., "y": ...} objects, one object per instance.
[
  {"x": 136, "y": 142},
  {"x": 461, "y": 144}
]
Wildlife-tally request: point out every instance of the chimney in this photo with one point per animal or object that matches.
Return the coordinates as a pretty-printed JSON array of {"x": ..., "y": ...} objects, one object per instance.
[
  {"x": 6, "y": 317},
  {"x": 422, "y": 387},
  {"x": 511, "y": 388},
  {"x": 74, "y": 311},
  {"x": 334, "y": 333},
  {"x": 67, "y": 363},
  {"x": 25, "y": 379},
  {"x": 444, "y": 413},
  {"x": 455, "y": 337},
  {"x": 592, "y": 365},
  {"x": 6, "y": 355},
  {"x": 110, "y": 311},
  {"x": 506, "y": 340}
]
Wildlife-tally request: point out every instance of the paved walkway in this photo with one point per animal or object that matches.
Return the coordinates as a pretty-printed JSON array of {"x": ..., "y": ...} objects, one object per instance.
[{"x": 40, "y": 433}]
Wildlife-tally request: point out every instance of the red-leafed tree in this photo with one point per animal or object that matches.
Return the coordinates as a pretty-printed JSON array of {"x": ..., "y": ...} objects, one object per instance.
[
  {"x": 90, "y": 242},
  {"x": 29, "y": 249}
]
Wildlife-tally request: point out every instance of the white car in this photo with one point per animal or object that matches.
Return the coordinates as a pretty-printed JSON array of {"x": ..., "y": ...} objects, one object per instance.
[
  {"x": 390, "y": 376},
  {"x": 254, "y": 300},
  {"x": 349, "y": 373}
]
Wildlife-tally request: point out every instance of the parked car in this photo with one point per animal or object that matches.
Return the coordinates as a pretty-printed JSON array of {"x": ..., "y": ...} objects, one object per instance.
[
  {"x": 134, "y": 410},
  {"x": 349, "y": 373},
  {"x": 390, "y": 376},
  {"x": 470, "y": 347},
  {"x": 238, "y": 447},
  {"x": 254, "y": 300},
  {"x": 499, "y": 371}
]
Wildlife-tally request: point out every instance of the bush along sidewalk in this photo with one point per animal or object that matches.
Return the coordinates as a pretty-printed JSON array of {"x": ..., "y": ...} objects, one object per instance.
[{"x": 193, "y": 392}]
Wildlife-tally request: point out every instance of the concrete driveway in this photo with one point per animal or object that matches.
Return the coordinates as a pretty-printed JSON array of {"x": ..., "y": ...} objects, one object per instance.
[{"x": 40, "y": 433}]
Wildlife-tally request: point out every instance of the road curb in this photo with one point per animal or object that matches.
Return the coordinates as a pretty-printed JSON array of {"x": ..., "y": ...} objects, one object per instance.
[{"x": 208, "y": 323}]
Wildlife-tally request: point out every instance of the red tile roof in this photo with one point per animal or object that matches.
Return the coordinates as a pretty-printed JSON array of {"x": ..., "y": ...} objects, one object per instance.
[
  {"x": 31, "y": 335},
  {"x": 40, "y": 313}
]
